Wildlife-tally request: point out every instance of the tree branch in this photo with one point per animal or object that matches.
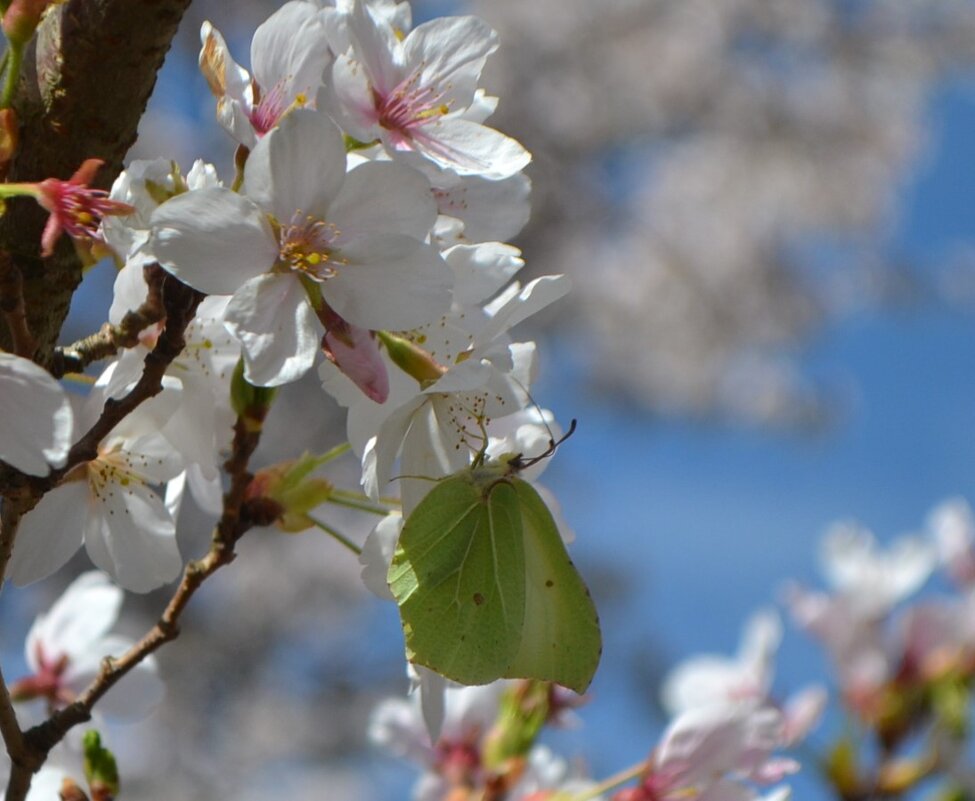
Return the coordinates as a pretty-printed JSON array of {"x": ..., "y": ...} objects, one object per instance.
[
  {"x": 66, "y": 117},
  {"x": 38, "y": 741},
  {"x": 111, "y": 338}
]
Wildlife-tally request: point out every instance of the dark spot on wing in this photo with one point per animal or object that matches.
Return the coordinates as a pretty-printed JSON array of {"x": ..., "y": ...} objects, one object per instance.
[{"x": 478, "y": 598}]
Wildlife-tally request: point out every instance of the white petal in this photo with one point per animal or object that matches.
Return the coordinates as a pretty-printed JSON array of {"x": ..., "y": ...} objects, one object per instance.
[
  {"x": 380, "y": 197},
  {"x": 451, "y": 52},
  {"x": 533, "y": 298},
  {"x": 35, "y": 417},
  {"x": 376, "y": 46},
  {"x": 492, "y": 211},
  {"x": 467, "y": 147},
  {"x": 390, "y": 282},
  {"x": 276, "y": 325},
  {"x": 289, "y": 46},
  {"x": 377, "y": 555},
  {"x": 131, "y": 536},
  {"x": 297, "y": 167},
  {"x": 49, "y": 534},
  {"x": 86, "y": 610},
  {"x": 481, "y": 270},
  {"x": 213, "y": 239},
  {"x": 349, "y": 98}
]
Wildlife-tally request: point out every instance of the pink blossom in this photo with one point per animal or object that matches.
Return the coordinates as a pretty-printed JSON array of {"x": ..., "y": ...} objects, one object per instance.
[{"x": 76, "y": 209}]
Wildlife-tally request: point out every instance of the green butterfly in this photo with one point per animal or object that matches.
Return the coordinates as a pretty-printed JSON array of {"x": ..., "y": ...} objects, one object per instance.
[{"x": 485, "y": 587}]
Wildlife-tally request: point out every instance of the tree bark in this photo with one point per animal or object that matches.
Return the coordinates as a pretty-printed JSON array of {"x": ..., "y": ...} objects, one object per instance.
[{"x": 84, "y": 87}]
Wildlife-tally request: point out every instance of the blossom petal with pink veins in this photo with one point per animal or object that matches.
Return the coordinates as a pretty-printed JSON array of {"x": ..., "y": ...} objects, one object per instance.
[
  {"x": 466, "y": 147},
  {"x": 132, "y": 537},
  {"x": 390, "y": 282},
  {"x": 132, "y": 698},
  {"x": 83, "y": 614},
  {"x": 349, "y": 97},
  {"x": 212, "y": 239},
  {"x": 35, "y": 417},
  {"x": 290, "y": 45},
  {"x": 276, "y": 326},
  {"x": 47, "y": 539},
  {"x": 451, "y": 53},
  {"x": 298, "y": 167},
  {"x": 375, "y": 45},
  {"x": 380, "y": 197}
]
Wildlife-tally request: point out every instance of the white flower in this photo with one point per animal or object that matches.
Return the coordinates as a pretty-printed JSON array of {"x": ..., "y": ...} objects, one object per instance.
[
  {"x": 707, "y": 751},
  {"x": 143, "y": 185},
  {"x": 304, "y": 236},
  {"x": 289, "y": 55},
  {"x": 711, "y": 679},
  {"x": 874, "y": 580},
  {"x": 416, "y": 95},
  {"x": 952, "y": 527},
  {"x": 35, "y": 417},
  {"x": 108, "y": 504},
  {"x": 65, "y": 648}
]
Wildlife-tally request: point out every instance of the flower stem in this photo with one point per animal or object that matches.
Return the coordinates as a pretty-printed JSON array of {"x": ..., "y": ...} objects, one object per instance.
[
  {"x": 335, "y": 535},
  {"x": 613, "y": 781},
  {"x": 19, "y": 190},
  {"x": 355, "y": 500}
]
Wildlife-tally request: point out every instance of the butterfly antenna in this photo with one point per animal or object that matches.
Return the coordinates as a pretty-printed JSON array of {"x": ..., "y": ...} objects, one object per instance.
[{"x": 520, "y": 463}]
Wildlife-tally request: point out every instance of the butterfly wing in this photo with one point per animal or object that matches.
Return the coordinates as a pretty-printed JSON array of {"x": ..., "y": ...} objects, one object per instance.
[
  {"x": 458, "y": 577},
  {"x": 560, "y": 639}
]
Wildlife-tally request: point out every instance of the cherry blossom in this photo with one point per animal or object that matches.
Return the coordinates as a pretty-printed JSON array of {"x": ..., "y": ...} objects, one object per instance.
[
  {"x": 109, "y": 505},
  {"x": 289, "y": 55},
  {"x": 304, "y": 235},
  {"x": 66, "y": 645},
  {"x": 75, "y": 208},
  {"x": 415, "y": 95}
]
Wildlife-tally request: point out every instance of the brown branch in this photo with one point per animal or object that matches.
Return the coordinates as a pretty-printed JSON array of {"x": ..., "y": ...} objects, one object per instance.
[
  {"x": 67, "y": 116},
  {"x": 179, "y": 303},
  {"x": 38, "y": 741},
  {"x": 110, "y": 339},
  {"x": 13, "y": 309}
]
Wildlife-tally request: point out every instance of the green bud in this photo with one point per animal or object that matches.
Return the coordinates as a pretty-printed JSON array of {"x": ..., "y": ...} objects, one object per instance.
[
  {"x": 523, "y": 712},
  {"x": 101, "y": 770},
  {"x": 411, "y": 359}
]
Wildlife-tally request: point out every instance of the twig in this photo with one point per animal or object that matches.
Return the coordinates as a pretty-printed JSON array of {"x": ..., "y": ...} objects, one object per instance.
[
  {"x": 38, "y": 741},
  {"x": 13, "y": 309},
  {"x": 179, "y": 302},
  {"x": 111, "y": 338}
]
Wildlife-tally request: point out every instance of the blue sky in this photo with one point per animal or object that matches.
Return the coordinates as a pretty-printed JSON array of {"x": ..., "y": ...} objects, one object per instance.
[{"x": 705, "y": 523}]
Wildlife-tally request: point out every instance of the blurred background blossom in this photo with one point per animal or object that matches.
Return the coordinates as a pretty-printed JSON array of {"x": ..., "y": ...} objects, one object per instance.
[{"x": 725, "y": 182}]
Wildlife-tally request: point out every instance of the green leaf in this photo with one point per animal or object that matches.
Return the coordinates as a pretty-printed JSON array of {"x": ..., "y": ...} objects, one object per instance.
[{"x": 486, "y": 589}]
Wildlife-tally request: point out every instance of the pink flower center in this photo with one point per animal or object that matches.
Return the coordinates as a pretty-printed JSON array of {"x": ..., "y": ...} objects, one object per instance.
[
  {"x": 269, "y": 109},
  {"x": 458, "y": 761},
  {"x": 307, "y": 246},
  {"x": 46, "y": 683},
  {"x": 409, "y": 105}
]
